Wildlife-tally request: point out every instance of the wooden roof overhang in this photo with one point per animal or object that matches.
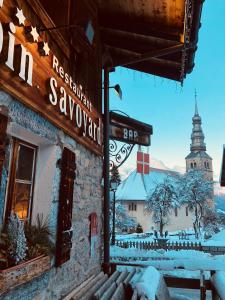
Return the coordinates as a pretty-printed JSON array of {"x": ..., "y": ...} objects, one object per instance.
[{"x": 157, "y": 37}]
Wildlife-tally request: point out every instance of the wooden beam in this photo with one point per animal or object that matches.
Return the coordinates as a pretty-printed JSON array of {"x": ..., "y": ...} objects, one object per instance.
[
  {"x": 133, "y": 25},
  {"x": 186, "y": 283},
  {"x": 153, "y": 54}
]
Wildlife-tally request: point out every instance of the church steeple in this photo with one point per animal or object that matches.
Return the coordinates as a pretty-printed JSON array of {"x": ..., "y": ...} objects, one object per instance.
[
  {"x": 197, "y": 136},
  {"x": 198, "y": 158}
]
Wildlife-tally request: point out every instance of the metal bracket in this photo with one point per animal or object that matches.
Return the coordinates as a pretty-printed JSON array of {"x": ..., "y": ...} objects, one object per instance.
[{"x": 118, "y": 154}]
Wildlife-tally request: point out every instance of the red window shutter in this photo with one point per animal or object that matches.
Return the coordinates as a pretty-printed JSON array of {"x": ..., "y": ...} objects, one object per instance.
[
  {"x": 3, "y": 127},
  {"x": 64, "y": 231}
]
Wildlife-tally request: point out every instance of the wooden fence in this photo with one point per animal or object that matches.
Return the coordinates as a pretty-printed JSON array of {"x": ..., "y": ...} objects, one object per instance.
[
  {"x": 155, "y": 245},
  {"x": 214, "y": 250}
]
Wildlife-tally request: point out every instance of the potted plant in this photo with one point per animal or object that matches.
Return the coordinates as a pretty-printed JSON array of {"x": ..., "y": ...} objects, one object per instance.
[{"x": 25, "y": 251}]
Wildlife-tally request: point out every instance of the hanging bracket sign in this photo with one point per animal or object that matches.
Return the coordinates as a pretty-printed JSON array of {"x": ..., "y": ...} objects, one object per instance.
[{"x": 128, "y": 130}]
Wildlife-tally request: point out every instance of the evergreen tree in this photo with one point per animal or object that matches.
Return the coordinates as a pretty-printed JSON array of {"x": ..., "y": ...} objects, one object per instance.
[{"x": 17, "y": 239}]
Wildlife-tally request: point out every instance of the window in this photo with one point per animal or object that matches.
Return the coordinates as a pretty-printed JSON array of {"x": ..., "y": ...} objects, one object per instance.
[
  {"x": 186, "y": 211},
  {"x": 207, "y": 165},
  {"x": 191, "y": 165},
  {"x": 176, "y": 211},
  {"x": 132, "y": 207},
  {"x": 195, "y": 165},
  {"x": 20, "y": 190}
]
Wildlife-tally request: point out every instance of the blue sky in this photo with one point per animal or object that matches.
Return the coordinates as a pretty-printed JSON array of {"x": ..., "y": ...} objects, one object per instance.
[{"x": 169, "y": 107}]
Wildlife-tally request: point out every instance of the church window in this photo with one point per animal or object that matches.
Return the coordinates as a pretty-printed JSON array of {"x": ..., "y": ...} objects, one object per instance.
[
  {"x": 132, "y": 207},
  {"x": 191, "y": 165},
  {"x": 186, "y": 211},
  {"x": 176, "y": 211},
  {"x": 195, "y": 165},
  {"x": 207, "y": 165}
]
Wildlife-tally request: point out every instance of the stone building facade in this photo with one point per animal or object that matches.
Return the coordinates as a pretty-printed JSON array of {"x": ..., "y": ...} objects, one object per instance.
[
  {"x": 45, "y": 115},
  {"x": 29, "y": 126}
]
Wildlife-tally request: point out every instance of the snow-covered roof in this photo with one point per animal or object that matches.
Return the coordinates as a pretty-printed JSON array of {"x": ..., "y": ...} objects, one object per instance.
[{"x": 138, "y": 186}]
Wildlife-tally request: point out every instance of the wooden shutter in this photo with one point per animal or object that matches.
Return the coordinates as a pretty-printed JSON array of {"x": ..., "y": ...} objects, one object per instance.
[
  {"x": 3, "y": 127},
  {"x": 64, "y": 233}
]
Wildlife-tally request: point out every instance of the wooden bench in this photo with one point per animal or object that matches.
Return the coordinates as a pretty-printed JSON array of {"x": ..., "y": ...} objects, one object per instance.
[{"x": 102, "y": 287}]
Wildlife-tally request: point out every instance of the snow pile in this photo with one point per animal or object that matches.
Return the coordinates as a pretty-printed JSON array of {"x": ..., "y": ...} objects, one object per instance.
[
  {"x": 217, "y": 239},
  {"x": 148, "y": 283},
  {"x": 219, "y": 283}
]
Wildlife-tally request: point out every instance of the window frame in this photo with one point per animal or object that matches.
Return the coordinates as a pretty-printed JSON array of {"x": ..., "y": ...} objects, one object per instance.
[{"x": 12, "y": 177}]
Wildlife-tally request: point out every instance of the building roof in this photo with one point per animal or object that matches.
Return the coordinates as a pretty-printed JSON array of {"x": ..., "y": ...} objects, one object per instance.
[
  {"x": 199, "y": 154},
  {"x": 165, "y": 33},
  {"x": 138, "y": 186}
]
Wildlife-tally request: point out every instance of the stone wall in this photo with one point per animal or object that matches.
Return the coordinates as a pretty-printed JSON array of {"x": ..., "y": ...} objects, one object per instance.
[{"x": 87, "y": 199}]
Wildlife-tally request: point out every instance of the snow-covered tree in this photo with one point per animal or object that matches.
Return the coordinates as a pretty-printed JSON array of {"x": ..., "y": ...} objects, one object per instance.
[
  {"x": 17, "y": 239},
  {"x": 195, "y": 191},
  {"x": 161, "y": 201},
  {"x": 123, "y": 221},
  {"x": 210, "y": 222}
]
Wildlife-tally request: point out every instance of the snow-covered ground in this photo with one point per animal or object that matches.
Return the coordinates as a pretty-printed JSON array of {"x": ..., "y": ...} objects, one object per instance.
[
  {"x": 217, "y": 240},
  {"x": 170, "y": 260},
  {"x": 180, "y": 264},
  {"x": 149, "y": 237}
]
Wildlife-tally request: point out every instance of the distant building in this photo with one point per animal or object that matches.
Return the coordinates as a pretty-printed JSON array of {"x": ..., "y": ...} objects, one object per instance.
[{"x": 134, "y": 190}]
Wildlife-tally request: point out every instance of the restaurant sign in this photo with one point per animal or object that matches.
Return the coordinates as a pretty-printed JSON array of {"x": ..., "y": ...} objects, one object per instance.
[
  {"x": 33, "y": 74},
  {"x": 128, "y": 130}
]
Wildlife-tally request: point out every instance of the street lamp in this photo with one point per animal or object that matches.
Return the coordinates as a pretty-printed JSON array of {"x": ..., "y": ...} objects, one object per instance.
[
  {"x": 117, "y": 89},
  {"x": 113, "y": 187}
]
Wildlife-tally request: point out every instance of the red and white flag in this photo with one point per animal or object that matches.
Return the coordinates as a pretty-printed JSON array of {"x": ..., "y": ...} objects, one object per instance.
[{"x": 143, "y": 163}]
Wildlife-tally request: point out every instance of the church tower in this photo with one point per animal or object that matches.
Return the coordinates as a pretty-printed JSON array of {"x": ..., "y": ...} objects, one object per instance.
[{"x": 198, "y": 158}]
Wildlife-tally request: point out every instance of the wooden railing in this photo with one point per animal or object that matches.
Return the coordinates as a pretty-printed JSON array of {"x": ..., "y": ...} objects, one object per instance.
[{"x": 215, "y": 283}]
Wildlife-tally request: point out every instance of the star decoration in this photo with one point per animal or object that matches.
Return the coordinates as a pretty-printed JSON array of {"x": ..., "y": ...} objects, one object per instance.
[
  {"x": 46, "y": 48},
  {"x": 34, "y": 34},
  {"x": 43, "y": 48},
  {"x": 20, "y": 16}
]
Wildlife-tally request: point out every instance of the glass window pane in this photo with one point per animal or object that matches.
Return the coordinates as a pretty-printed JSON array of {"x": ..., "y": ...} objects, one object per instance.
[
  {"x": 25, "y": 163},
  {"x": 21, "y": 199}
]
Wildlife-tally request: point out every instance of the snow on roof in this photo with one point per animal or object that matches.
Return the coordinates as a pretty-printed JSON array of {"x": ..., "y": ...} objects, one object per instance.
[{"x": 138, "y": 186}]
